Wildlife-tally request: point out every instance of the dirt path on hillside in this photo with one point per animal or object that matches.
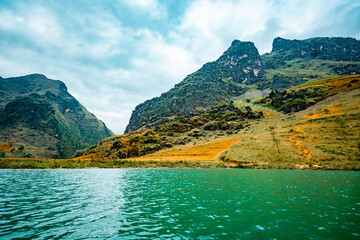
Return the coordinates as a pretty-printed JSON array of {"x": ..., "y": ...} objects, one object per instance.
[{"x": 297, "y": 142}]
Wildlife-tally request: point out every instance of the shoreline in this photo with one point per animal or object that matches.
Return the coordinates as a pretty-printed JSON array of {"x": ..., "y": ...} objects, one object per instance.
[{"x": 16, "y": 163}]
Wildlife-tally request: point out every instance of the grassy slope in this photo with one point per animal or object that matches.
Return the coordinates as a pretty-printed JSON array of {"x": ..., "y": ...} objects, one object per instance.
[
  {"x": 324, "y": 136},
  {"x": 200, "y": 152}
]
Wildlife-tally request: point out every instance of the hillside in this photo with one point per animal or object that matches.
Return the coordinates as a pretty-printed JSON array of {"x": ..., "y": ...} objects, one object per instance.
[
  {"x": 218, "y": 122},
  {"x": 242, "y": 73},
  {"x": 39, "y": 118},
  {"x": 307, "y": 94},
  {"x": 322, "y": 135}
]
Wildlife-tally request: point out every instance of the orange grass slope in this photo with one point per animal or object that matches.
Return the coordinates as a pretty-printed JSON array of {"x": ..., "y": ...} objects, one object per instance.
[
  {"x": 203, "y": 152},
  {"x": 6, "y": 147},
  {"x": 333, "y": 84}
]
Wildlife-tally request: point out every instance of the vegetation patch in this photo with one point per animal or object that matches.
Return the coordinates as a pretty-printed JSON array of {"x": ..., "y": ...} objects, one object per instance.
[
  {"x": 220, "y": 120},
  {"x": 338, "y": 150},
  {"x": 293, "y": 100}
]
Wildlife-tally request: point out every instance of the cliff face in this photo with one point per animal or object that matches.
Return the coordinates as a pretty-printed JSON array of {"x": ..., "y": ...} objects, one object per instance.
[
  {"x": 41, "y": 115},
  {"x": 241, "y": 63}
]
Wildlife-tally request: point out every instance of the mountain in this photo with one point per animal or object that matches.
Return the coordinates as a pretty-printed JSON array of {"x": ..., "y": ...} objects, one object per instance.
[
  {"x": 39, "y": 118},
  {"x": 336, "y": 49},
  {"x": 213, "y": 83},
  {"x": 315, "y": 125},
  {"x": 242, "y": 73}
]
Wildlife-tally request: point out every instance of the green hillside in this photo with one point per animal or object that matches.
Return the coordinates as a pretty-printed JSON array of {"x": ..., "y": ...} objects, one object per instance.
[
  {"x": 322, "y": 135},
  {"x": 39, "y": 118},
  {"x": 219, "y": 120}
]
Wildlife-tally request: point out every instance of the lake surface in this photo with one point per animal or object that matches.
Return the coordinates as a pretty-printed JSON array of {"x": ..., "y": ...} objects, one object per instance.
[{"x": 179, "y": 204}]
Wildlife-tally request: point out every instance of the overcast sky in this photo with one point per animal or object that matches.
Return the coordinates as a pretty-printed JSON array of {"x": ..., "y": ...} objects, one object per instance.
[{"x": 113, "y": 55}]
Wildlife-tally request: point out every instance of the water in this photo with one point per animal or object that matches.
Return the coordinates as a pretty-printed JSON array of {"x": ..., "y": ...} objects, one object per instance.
[{"x": 179, "y": 204}]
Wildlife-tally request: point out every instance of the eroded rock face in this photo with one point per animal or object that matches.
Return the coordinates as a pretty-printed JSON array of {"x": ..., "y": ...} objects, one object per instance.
[{"x": 241, "y": 62}]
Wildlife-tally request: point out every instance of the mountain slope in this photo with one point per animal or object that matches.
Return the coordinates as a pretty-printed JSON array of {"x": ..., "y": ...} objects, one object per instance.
[
  {"x": 218, "y": 121},
  {"x": 324, "y": 135},
  {"x": 213, "y": 83},
  {"x": 241, "y": 72},
  {"x": 41, "y": 115}
]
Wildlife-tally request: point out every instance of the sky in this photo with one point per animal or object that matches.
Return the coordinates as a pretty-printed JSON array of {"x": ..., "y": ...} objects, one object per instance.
[{"x": 114, "y": 55}]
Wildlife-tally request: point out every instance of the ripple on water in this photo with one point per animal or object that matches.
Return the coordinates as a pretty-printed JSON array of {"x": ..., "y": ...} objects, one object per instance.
[{"x": 178, "y": 204}]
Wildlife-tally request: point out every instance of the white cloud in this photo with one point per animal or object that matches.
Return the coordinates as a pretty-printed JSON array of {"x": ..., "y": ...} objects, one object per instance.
[
  {"x": 36, "y": 23},
  {"x": 210, "y": 26},
  {"x": 152, "y": 7}
]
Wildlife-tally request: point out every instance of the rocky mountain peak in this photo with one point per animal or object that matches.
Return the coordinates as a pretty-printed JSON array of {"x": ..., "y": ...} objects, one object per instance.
[
  {"x": 238, "y": 46},
  {"x": 239, "y": 66},
  {"x": 241, "y": 62}
]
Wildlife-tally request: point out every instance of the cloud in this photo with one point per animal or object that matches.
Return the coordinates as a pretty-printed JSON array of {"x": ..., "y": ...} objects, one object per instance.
[
  {"x": 152, "y": 7},
  {"x": 210, "y": 25},
  {"x": 87, "y": 56}
]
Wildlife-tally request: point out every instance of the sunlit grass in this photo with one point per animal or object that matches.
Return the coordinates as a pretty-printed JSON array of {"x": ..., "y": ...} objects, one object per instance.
[{"x": 203, "y": 152}]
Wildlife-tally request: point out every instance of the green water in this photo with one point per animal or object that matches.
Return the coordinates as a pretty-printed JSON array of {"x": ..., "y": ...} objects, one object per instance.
[{"x": 179, "y": 204}]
